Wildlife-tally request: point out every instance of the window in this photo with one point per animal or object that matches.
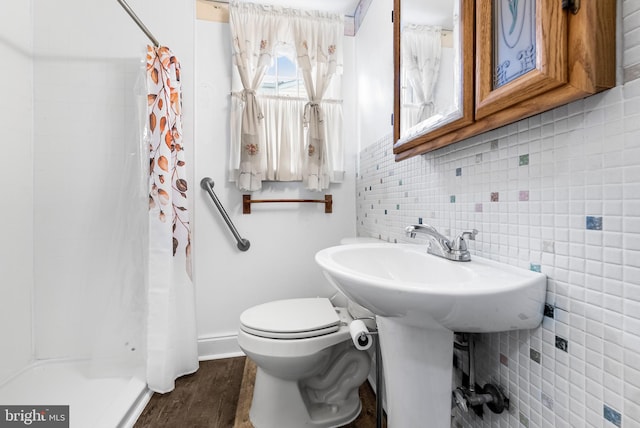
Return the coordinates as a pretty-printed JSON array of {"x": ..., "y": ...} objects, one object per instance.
[
  {"x": 286, "y": 112},
  {"x": 283, "y": 79}
]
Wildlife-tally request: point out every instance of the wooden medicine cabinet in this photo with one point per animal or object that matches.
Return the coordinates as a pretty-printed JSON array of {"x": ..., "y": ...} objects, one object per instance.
[{"x": 519, "y": 58}]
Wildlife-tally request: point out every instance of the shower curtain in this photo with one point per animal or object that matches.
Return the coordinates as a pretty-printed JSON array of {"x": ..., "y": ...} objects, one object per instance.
[{"x": 171, "y": 322}]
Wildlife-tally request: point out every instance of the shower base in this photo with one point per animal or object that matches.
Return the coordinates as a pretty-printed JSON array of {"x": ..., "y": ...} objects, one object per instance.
[{"x": 113, "y": 402}]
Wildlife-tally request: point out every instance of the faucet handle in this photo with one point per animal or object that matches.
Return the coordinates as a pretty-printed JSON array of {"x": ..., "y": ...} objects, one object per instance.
[
  {"x": 469, "y": 234},
  {"x": 459, "y": 244}
]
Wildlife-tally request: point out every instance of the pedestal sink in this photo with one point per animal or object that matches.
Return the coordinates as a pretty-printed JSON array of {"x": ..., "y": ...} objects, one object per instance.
[{"x": 419, "y": 301}]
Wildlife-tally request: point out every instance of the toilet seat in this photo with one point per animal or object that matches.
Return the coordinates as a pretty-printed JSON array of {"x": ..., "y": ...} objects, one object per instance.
[{"x": 291, "y": 319}]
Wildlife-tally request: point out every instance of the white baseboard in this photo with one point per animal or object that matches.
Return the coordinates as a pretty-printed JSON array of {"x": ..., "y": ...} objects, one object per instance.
[
  {"x": 217, "y": 347},
  {"x": 136, "y": 409}
]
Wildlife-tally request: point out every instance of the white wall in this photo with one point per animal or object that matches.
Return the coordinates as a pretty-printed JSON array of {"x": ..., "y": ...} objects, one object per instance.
[
  {"x": 86, "y": 58},
  {"x": 16, "y": 174},
  {"x": 284, "y": 238},
  {"x": 374, "y": 65}
]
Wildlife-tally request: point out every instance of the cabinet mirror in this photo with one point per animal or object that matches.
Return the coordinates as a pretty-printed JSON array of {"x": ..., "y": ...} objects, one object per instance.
[{"x": 433, "y": 61}]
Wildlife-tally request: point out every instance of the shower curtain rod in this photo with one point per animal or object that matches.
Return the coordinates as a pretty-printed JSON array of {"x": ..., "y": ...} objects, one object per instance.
[{"x": 135, "y": 18}]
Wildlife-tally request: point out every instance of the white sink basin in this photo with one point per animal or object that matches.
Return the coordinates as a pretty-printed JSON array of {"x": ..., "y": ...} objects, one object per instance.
[
  {"x": 403, "y": 281},
  {"x": 419, "y": 301}
]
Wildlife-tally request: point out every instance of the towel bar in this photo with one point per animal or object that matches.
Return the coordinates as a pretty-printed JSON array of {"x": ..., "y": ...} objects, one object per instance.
[{"x": 247, "y": 201}]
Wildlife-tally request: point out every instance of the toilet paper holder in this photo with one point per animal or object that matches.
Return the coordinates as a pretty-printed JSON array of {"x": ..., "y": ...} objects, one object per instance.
[
  {"x": 369, "y": 332},
  {"x": 360, "y": 335}
]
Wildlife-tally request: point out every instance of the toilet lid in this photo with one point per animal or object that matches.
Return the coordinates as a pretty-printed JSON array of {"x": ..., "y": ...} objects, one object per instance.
[{"x": 291, "y": 319}]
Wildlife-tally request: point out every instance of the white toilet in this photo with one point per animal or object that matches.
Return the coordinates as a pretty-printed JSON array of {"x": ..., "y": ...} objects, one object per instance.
[{"x": 309, "y": 370}]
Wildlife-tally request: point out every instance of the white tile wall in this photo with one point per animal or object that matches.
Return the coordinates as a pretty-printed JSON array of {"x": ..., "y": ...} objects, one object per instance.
[
  {"x": 558, "y": 192},
  {"x": 538, "y": 191},
  {"x": 547, "y": 176}
]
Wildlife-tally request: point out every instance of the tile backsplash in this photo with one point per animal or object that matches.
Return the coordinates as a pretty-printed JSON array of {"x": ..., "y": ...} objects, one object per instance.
[{"x": 558, "y": 193}]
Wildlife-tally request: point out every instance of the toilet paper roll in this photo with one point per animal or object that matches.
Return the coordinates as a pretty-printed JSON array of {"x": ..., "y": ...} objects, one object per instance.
[{"x": 360, "y": 335}]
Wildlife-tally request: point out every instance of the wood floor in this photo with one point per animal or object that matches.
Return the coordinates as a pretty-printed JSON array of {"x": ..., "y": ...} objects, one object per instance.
[{"x": 219, "y": 395}]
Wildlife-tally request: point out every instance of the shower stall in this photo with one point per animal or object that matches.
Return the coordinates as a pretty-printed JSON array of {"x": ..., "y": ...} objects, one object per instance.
[{"x": 74, "y": 209}]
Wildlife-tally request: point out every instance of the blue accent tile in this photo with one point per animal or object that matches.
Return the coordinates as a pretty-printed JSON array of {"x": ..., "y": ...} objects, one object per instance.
[
  {"x": 452, "y": 199},
  {"x": 535, "y": 267},
  {"x": 397, "y": 206},
  {"x": 400, "y": 183},
  {"x": 458, "y": 172},
  {"x": 594, "y": 223},
  {"x": 612, "y": 416},
  {"x": 534, "y": 355},
  {"x": 524, "y": 160},
  {"x": 385, "y": 212},
  {"x": 549, "y": 310},
  {"x": 562, "y": 344}
]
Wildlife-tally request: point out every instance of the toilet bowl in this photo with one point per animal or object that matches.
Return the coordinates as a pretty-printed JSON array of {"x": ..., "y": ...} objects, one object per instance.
[{"x": 308, "y": 369}]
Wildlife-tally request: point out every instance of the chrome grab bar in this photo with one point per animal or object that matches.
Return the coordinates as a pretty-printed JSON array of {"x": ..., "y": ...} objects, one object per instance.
[{"x": 207, "y": 184}]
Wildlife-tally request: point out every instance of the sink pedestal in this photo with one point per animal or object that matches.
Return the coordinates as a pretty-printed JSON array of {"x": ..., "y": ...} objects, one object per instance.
[{"x": 418, "y": 365}]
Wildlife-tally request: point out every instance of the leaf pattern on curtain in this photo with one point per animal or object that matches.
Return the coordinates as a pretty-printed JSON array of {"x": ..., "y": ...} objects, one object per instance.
[{"x": 167, "y": 173}]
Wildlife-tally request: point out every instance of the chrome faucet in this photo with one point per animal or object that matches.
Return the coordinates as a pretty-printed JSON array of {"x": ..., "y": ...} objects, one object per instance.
[{"x": 440, "y": 246}]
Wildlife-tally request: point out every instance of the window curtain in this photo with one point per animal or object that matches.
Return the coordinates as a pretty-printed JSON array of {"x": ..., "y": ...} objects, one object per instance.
[
  {"x": 421, "y": 53},
  {"x": 171, "y": 318},
  {"x": 283, "y": 137},
  {"x": 318, "y": 47},
  {"x": 299, "y": 139},
  {"x": 255, "y": 30}
]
